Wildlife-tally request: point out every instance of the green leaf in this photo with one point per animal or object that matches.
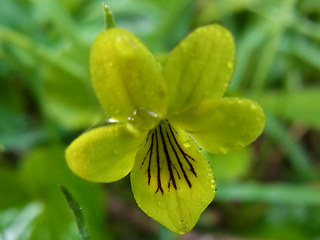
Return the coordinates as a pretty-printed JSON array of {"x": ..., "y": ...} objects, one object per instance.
[{"x": 77, "y": 213}]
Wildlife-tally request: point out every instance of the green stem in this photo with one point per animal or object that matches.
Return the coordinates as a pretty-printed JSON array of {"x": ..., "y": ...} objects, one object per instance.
[{"x": 108, "y": 17}]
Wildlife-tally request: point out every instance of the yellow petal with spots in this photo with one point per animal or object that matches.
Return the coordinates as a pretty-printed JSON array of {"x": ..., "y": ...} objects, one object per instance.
[
  {"x": 172, "y": 180},
  {"x": 200, "y": 67},
  {"x": 105, "y": 153},
  {"x": 223, "y": 125}
]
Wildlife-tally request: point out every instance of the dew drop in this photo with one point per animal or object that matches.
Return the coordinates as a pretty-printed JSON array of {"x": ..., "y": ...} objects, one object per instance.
[
  {"x": 112, "y": 120},
  {"x": 253, "y": 107},
  {"x": 223, "y": 150},
  {"x": 186, "y": 145},
  {"x": 118, "y": 39},
  {"x": 181, "y": 221},
  {"x": 227, "y": 35}
]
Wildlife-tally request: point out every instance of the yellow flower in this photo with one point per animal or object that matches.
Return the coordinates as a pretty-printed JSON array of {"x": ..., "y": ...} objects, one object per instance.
[{"x": 158, "y": 118}]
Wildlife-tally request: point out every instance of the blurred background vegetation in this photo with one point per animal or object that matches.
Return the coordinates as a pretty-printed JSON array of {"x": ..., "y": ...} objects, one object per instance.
[{"x": 270, "y": 190}]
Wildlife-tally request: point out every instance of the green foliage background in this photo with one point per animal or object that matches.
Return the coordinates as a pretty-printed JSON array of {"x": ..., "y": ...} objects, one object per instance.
[{"x": 271, "y": 190}]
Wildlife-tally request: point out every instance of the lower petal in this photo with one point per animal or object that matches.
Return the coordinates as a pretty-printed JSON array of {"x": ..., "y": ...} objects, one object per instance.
[
  {"x": 223, "y": 125},
  {"x": 172, "y": 180},
  {"x": 105, "y": 153}
]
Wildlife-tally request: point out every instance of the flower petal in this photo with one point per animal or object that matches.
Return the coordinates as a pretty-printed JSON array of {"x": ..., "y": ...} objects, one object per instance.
[
  {"x": 125, "y": 75},
  {"x": 200, "y": 67},
  {"x": 172, "y": 180},
  {"x": 223, "y": 125},
  {"x": 104, "y": 154}
]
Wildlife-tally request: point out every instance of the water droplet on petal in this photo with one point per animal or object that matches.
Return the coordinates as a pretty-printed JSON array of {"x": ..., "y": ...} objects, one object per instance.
[
  {"x": 230, "y": 65},
  {"x": 187, "y": 145},
  {"x": 253, "y": 107},
  {"x": 223, "y": 150},
  {"x": 112, "y": 120}
]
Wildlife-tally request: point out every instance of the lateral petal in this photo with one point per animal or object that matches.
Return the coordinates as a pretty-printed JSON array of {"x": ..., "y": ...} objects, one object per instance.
[
  {"x": 223, "y": 125},
  {"x": 104, "y": 154}
]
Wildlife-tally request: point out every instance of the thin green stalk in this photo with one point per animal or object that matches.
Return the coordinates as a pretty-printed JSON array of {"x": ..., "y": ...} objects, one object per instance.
[
  {"x": 108, "y": 17},
  {"x": 77, "y": 213}
]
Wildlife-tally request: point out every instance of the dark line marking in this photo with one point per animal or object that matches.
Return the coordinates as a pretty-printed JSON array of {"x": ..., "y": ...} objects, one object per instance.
[
  {"x": 176, "y": 171},
  {"x": 149, "y": 150},
  {"x": 183, "y": 153},
  {"x": 158, "y": 164},
  {"x": 147, "y": 138},
  {"x": 179, "y": 162},
  {"x": 172, "y": 180},
  {"x": 150, "y": 157}
]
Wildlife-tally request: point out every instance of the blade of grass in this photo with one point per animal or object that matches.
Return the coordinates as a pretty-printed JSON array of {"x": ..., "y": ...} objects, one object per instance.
[
  {"x": 307, "y": 27},
  {"x": 77, "y": 213},
  {"x": 216, "y": 10},
  {"x": 297, "y": 155},
  {"x": 297, "y": 105},
  {"x": 249, "y": 42},
  {"x": 23, "y": 42},
  {"x": 278, "y": 19},
  {"x": 23, "y": 221},
  {"x": 273, "y": 193},
  {"x": 306, "y": 51}
]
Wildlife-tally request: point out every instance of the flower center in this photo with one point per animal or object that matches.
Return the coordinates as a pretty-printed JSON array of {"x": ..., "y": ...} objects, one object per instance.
[
  {"x": 166, "y": 162},
  {"x": 144, "y": 119}
]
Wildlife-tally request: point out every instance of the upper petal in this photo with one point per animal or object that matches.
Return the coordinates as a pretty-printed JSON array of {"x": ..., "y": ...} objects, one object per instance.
[
  {"x": 172, "y": 180},
  {"x": 223, "y": 125},
  {"x": 125, "y": 75},
  {"x": 200, "y": 67},
  {"x": 105, "y": 153}
]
